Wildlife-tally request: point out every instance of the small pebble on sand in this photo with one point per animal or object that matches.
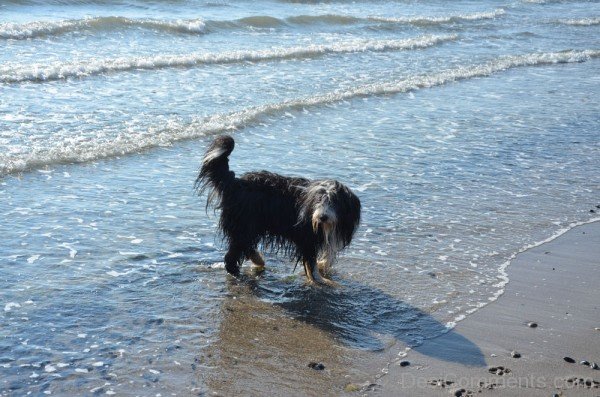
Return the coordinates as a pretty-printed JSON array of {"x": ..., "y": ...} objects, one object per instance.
[
  {"x": 569, "y": 360},
  {"x": 316, "y": 366},
  {"x": 404, "y": 363},
  {"x": 515, "y": 354},
  {"x": 531, "y": 324}
]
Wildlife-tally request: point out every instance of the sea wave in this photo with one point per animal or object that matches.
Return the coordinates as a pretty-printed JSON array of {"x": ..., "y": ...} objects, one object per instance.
[
  {"x": 436, "y": 20},
  {"x": 18, "y": 73},
  {"x": 37, "y": 29},
  {"x": 580, "y": 22},
  {"x": 85, "y": 150},
  {"x": 333, "y": 19}
]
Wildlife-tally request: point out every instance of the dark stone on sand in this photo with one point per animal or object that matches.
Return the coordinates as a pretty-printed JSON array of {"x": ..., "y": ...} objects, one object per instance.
[
  {"x": 459, "y": 393},
  {"x": 584, "y": 362},
  {"x": 404, "y": 363},
  {"x": 499, "y": 370},
  {"x": 594, "y": 366},
  {"x": 589, "y": 383},
  {"x": 515, "y": 354},
  {"x": 569, "y": 360},
  {"x": 532, "y": 324},
  {"x": 592, "y": 211},
  {"x": 316, "y": 366}
]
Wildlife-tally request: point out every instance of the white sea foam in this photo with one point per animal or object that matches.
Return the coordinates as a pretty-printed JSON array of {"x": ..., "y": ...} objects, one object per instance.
[
  {"x": 29, "y": 30},
  {"x": 19, "y": 73},
  {"x": 581, "y": 21},
  {"x": 336, "y": 19},
  {"x": 72, "y": 251},
  {"x": 11, "y": 305},
  {"x": 422, "y": 20},
  {"x": 114, "y": 273},
  {"x": 175, "y": 130}
]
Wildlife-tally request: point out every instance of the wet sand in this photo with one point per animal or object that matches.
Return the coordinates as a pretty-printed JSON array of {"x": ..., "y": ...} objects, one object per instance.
[
  {"x": 554, "y": 285},
  {"x": 267, "y": 348}
]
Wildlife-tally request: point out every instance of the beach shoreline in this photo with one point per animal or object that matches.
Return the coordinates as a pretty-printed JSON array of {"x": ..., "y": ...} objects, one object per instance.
[{"x": 517, "y": 344}]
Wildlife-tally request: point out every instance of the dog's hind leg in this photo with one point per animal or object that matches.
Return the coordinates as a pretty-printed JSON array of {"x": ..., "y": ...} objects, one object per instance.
[
  {"x": 257, "y": 259},
  {"x": 233, "y": 260}
]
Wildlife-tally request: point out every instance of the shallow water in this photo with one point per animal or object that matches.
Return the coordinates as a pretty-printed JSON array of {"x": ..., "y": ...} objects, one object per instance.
[{"x": 468, "y": 130}]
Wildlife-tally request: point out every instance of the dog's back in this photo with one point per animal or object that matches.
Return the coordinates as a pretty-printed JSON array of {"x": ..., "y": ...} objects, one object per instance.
[{"x": 275, "y": 183}]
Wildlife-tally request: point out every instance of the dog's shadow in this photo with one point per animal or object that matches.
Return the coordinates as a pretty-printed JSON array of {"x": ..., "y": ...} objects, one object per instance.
[{"x": 363, "y": 317}]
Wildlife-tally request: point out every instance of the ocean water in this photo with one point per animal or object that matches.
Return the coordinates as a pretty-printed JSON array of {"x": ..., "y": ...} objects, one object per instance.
[{"x": 469, "y": 130}]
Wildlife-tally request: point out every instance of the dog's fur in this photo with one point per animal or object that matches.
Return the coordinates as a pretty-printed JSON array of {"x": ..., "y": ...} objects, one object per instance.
[{"x": 310, "y": 221}]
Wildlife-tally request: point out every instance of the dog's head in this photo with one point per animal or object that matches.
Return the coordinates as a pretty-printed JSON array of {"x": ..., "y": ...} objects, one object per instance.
[{"x": 332, "y": 209}]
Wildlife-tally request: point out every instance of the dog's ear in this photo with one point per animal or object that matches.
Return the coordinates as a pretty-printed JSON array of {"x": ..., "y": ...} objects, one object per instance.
[{"x": 349, "y": 221}]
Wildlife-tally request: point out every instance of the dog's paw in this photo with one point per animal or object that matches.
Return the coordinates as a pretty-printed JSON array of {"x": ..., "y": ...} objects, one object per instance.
[
  {"x": 257, "y": 270},
  {"x": 324, "y": 282}
]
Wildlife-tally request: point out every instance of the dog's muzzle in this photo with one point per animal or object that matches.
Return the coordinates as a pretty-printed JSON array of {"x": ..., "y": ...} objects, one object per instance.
[{"x": 324, "y": 221}]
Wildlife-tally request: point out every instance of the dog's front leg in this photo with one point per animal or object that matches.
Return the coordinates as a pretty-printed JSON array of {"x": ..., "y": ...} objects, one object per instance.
[
  {"x": 308, "y": 270},
  {"x": 312, "y": 274}
]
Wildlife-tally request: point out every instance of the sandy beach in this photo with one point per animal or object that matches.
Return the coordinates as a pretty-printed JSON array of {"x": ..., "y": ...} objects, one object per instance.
[{"x": 516, "y": 346}]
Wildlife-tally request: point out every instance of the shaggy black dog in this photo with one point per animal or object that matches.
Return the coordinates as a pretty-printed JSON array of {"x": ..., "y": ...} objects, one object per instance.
[{"x": 310, "y": 221}]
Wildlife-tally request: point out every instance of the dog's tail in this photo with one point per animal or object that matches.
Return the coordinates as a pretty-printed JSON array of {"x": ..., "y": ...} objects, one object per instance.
[{"x": 214, "y": 175}]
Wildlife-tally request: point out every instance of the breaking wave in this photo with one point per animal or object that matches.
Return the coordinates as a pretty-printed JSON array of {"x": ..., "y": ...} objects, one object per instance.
[
  {"x": 436, "y": 20},
  {"x": 84, "y": 149},
  {"x": 36, "y": 29},
  {"x": 18, "y": 73},
  {"x": 580, "y": 22}
]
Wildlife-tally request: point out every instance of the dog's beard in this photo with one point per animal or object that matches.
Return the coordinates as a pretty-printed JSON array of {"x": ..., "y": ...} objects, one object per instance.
[{"x": 333, "y": 242}]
